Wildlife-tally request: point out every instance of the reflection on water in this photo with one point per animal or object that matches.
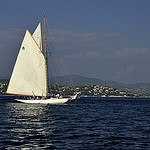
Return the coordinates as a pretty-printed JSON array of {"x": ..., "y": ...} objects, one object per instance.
[
  {"x": 83, "y": 124},
  {"x": 29, "y": 124}
]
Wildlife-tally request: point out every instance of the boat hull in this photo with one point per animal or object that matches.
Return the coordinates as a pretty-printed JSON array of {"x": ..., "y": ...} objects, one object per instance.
[{"x": 44, "y": 101}]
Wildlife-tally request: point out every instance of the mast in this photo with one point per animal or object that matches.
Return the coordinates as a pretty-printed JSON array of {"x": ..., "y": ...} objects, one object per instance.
[{"x": 46, "y": 57}]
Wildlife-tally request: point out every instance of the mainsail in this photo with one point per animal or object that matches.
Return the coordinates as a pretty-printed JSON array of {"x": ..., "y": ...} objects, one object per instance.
[{"x": 29, "y": 74}]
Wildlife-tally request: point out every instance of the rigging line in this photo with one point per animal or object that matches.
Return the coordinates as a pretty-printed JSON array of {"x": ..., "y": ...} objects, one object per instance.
[
  {"x": 63, "y": 68},
  {"x": 63, "y": 72},
  {"x": 68, "y": 82},
  {"x": 48, "y": 61},
  {"x": 52, "y": 71},
  {"x": 45, "y": 41},
  {"x": 58, "y": 66},
  {"x": 59, "y": 55}
]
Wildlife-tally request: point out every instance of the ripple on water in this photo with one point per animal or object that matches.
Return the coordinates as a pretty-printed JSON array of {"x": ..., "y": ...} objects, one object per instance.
[{"x": 84, "y": 124}]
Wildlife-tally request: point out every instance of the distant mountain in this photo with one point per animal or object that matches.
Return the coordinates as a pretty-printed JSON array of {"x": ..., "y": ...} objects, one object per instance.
[
  {"x": 77, "y": 80},
  {"x": 138, "y": 87},
  {"x": 80, "y": 80}
]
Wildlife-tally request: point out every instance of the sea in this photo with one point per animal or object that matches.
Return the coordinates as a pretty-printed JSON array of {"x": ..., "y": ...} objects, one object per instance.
[{"x": 85, "y": 124}]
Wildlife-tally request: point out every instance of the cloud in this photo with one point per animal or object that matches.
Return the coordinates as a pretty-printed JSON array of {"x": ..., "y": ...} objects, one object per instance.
[
  {"x": 79, "y": 42},
  {"x": 11, "y": 34},
  {"x": 126, "y": 52},
  {"x": 79, "y": 45},
  {"x": 67, "y": 41},
  {"x": 83, "y": 55},
  {"x": 9, "y": 37},
  {"x": 107, "y": 55},
  {"x": 125, "y": 73},
  {"x": 119, "y": 54}
]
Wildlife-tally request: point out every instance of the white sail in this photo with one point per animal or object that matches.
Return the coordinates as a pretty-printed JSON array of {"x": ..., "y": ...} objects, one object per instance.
[
  {"x": 37, "y": 35},
  {"x": 30, "y": 71},
  {"x": 29, "y": 74}
]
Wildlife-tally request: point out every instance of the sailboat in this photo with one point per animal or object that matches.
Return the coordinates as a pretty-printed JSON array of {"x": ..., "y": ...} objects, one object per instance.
[{"x": 30, "y": 76}]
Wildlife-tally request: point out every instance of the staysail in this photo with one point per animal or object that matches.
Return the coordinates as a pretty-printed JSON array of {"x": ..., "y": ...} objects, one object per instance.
[{"x": 29, "y": 74}]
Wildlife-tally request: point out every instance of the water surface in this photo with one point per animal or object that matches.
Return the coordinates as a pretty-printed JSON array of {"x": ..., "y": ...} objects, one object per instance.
[{"x": 87, "y": 123}]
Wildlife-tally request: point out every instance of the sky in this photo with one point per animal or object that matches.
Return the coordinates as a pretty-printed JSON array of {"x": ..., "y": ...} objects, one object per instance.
[{"x": 104, "y": 39}]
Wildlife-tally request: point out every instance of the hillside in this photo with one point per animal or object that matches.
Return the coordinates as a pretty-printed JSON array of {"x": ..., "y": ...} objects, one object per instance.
[
  {"x": 76, "y": 80},
  {"x": 80, "y": 80}
]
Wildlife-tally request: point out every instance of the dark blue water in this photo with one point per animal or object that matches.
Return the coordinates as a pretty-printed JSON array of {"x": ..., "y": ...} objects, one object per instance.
[{"x": 87, "y": 123}]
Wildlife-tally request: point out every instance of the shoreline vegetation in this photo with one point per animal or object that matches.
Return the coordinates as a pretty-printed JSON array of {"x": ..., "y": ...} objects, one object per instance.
[
  {"x": 84, "y": 91},
  {"x": 85, "y": 87}
]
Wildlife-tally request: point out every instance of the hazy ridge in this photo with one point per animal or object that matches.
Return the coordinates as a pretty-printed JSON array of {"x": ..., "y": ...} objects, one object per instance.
[
  {"x": 81, "y": 80},
  {"x": 77, "y": 80}
]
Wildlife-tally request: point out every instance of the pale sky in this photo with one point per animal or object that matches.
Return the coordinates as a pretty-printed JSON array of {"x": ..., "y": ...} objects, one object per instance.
[{"x": 104, "y": 39}]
